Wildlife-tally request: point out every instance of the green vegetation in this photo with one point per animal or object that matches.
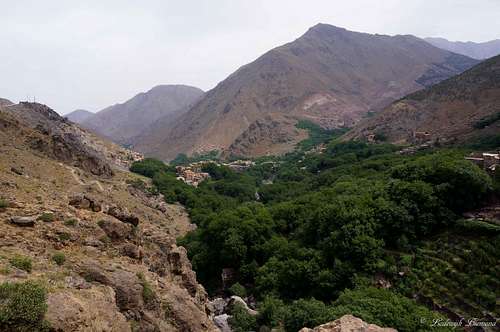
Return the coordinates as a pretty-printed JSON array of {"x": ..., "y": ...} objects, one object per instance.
[
  {"x": 322, "y": 222},
  {"x": 487, "y": 121},
  {"x": 317, "y": 134},
  {"x": 241, "y": 320},
  {"x": 183, "y": 159},
  {"x": 59, "y": 258},
  {"x": 47, "y": 217},
  {"x": 22, "y": 307},
  {"x": 3, "y": 204},
  {"x": 22, "y": 263},
  {"x": 488, "y": 142},
  {"x": 148, "y": 294},
  {"x": 238, "y": 290},
  {"x": 71, "y": 222},
  {"x": 63, "y": 236}
]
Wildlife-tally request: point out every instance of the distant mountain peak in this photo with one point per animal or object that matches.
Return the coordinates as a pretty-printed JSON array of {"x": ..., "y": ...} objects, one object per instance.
[
  {"x": 124, "y": 121},
  {"x": 79, "y": 115},
  {"x": 480, "y": 51}
]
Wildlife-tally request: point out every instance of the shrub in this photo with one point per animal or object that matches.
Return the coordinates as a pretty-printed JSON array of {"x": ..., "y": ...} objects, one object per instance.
[
  {"x": 306, "y": 313},
  {"x": 148, "y": 294},
  {"x": 46, "y": 217},
  {"x": 149, "y": 167},
  {"x": 238, "y": 290},
  {"x": 64, "y": 236},
  {"x": 385, "y": 308},
  {"x": 3, "y": 204},
  {"x": 59, "y": 258},
  {"x": 23, "y": 306},
  {"x": 22, "y": 262},
  {"x": 71, "y": 222},
  {"x": 241, "y": 320}
]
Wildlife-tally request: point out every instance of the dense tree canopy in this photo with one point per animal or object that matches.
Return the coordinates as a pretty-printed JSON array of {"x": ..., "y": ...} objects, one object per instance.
[{"x": 306, "y": 226}]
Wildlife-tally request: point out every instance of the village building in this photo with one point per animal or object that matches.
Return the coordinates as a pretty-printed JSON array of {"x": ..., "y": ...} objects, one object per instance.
[{"x": 488, "y": 161}]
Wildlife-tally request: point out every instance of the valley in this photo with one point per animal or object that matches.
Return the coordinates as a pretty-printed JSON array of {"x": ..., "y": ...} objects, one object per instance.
[{"x": 343, "y": 181}]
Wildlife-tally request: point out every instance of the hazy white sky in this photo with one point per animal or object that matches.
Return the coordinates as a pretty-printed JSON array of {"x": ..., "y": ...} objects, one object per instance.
[{"x": 94, "y": 53}]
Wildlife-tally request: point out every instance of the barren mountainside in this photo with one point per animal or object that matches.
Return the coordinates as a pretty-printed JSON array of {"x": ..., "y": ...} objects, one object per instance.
[
  {"x": 330, "y": 76},
  {"x": 461, "y": 108},
  {"x": 479, "y": 51},
  {"x": 122, "y": 122}
]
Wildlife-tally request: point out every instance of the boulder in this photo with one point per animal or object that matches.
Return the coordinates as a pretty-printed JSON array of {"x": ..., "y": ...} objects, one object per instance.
[
  {"x": 87, "y": 202},
  {"x": 127, "y": 287},
  {"x": 77, "y": 282},
  {"x": 23, "y": 221},
  {"x": 123, "y": 214},
  {"x": 85, "y": 310},
  {"x": 221, "y": 321},
  {"x": 218, "y": 305},
  {"x": 132, "y": 251},
  {"x": 348, "y": 323},
  {"x": 236, "y": 299},
  {"x": 114, "y": 229}
]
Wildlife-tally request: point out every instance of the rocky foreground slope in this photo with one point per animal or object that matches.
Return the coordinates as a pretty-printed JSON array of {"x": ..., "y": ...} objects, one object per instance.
[
  {"x": 462, "y": 108},
  {"x": 96, "y": 239},
  {"x": 330, "y": 76}
]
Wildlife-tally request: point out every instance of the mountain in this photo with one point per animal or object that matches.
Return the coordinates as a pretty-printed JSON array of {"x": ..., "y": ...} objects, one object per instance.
[
  {"x": 5, "y": 102},
  {"x": 78, "y": 116},
  {"x": 330, "y": 76},
  {"x": 474, "y": 50},
  {"x": 82, "y": 238},
  {"x": 461, "y": 109},
  {"x": 122, "y": 122}
]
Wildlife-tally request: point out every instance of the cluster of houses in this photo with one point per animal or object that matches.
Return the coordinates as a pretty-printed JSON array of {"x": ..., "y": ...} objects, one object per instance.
[
  {"x": 193, "y": 173},
  {"x": 490, "y": 162}
]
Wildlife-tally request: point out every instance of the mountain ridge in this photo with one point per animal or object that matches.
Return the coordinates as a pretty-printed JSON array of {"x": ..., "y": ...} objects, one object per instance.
[
  {"x": 123, "y": 121},
  {"x": 480, "y": 51},
  {"x": 459, "y": 109},
  {"x": 329, "y": 75}
]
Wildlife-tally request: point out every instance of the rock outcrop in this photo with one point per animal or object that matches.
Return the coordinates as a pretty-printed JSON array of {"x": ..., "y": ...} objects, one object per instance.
[{"x": 348, "y": 323}]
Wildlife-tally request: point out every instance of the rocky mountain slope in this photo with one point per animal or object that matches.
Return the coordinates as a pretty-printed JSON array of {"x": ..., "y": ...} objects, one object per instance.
[
  {"x": 78, "y": 116},
  {"x": 479, "y": 51},
  {"x": 122, "y": 122},
  {"x": 92, "y": 236},
  {"x": 330, "y": 76},
  {"x": 459, "y": 109}
]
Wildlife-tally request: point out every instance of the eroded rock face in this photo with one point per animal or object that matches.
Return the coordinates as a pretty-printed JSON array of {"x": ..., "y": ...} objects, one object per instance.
[
  {"x": 186, "y": 312},
  {"x": 181, "y": 266},
  {"x": 115, "y": 229},
  {"x": 348, "y": 323},
  {"x": 123, "y": 214},
  {"x": 85, "y": 310}
]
